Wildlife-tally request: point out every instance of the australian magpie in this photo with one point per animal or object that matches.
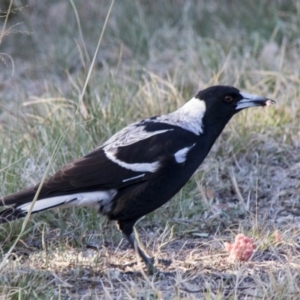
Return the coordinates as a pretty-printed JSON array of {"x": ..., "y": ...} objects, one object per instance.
[{"x": 141, "y": 167}]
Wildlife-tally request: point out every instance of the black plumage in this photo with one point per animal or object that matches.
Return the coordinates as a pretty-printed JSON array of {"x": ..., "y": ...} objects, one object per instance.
[{"x": 142, "y": 166}]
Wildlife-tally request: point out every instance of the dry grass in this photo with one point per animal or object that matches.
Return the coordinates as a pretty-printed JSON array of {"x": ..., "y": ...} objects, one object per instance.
[{"x": 154, "y": 56}]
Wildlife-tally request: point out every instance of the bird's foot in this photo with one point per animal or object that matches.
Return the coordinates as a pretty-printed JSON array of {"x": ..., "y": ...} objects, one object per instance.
[
  {"x": 151, "y": 269},
  {"x": 165, "y": 262}
]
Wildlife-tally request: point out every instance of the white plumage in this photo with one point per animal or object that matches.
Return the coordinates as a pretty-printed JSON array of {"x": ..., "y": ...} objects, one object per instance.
[
  {"x": 180, "y": 156},
  {"x": 101, "y": 198}
]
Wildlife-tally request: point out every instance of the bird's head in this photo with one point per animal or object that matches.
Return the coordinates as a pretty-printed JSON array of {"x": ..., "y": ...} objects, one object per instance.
[{"x": 222, "y": 102}]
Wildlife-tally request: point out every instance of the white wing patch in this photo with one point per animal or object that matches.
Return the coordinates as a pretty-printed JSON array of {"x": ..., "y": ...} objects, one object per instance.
[
  {"x": 137, "y": 167},
  {"x": 128, "y": 136},
  {"x": 180, "y": 155},
  {"x": 102, "y": 199}
]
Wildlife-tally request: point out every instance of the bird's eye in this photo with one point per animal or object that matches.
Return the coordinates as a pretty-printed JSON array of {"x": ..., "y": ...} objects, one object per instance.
[{"x": 228, "y": 99}]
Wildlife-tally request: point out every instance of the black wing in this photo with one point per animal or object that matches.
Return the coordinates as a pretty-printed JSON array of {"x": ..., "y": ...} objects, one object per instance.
[{"x": 140, "y": 144}]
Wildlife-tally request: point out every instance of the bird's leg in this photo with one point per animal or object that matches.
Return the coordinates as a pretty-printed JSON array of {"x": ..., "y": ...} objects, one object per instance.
[
  {"x": 127, "y": 229},
  {"x": 147, "y": 260}
]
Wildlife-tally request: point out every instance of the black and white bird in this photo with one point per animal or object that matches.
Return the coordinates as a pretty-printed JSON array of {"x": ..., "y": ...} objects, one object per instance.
[{"x": 141, "y": 167}]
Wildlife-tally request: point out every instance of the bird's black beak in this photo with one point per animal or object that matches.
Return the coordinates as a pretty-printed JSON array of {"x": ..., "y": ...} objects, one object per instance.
[{"x": 250, "y": 100}]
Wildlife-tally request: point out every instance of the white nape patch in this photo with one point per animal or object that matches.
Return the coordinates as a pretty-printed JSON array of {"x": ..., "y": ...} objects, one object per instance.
[
  {"x": 100, "y": 198},
  {"x": 137, "y": 167},
  {"x": 132, "y": 178},
  {"x": 180, "y": 155},
  {"x": 188, "y": 117}
]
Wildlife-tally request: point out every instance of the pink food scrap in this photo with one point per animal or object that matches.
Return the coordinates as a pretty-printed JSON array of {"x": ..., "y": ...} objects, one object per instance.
[{"x": 241, "y": 249}]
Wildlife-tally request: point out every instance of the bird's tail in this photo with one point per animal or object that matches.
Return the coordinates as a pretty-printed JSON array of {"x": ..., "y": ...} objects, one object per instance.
[
  {"x": 19, "y": 204},
  {"x": 12, "y": 204},
  {"x": 18, "y": 207},
  {"x": 11, "y": 214},
  {"x": 22, "y": 206}
]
